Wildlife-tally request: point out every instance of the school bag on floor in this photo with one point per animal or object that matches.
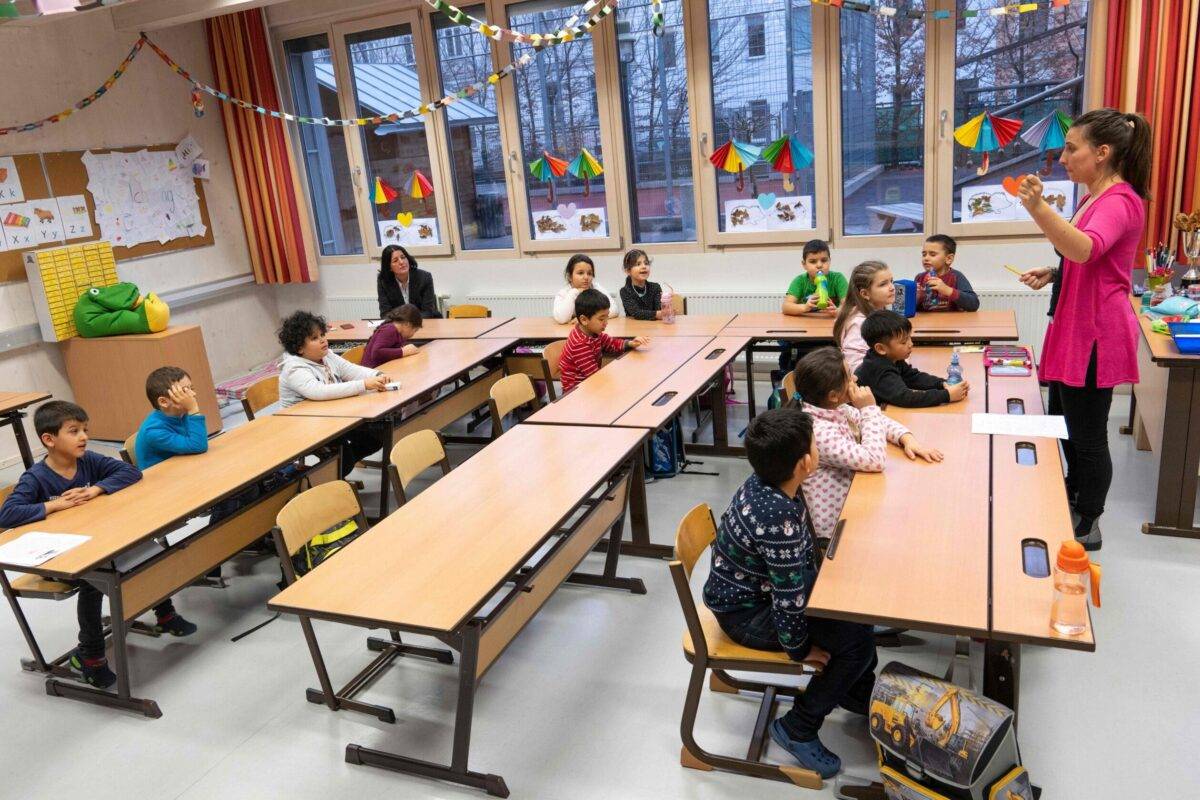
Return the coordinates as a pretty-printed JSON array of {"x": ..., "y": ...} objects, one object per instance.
[
  {"x": 322, "y": 546},
  {"x": 664, "y": 451}
]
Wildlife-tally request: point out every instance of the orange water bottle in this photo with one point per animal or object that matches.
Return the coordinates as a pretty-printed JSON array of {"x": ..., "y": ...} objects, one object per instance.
[{"x": 1072, "y": 572}]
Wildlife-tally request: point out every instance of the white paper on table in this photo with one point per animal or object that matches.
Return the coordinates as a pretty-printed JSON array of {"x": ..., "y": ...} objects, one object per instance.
[
  {"x": 37, "y": 547},
  {"x": 374, "y": 323},
  {"x": 1032, "y": 425}
]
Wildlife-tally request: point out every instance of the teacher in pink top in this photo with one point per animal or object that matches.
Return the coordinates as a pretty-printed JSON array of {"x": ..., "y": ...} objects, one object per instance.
[{"x": 1091, "y": 342}]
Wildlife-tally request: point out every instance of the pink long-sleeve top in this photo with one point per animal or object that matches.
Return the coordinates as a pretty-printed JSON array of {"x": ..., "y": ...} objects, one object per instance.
[
  {"x": 386, "y": 344},
  {"x": 1093, "y": 301},
  {"x": 849, "y": 440}
]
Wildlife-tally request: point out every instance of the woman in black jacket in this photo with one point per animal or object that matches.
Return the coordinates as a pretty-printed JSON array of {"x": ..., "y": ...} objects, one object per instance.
[{"x": 400, "y": 282}]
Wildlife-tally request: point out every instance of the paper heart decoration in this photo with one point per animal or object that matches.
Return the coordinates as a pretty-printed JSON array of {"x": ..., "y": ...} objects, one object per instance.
[
  {"x": 404, "y": 218},
  {"x": 1012, "y": 184},
  {"x": 566, "y": 211},
  {"x": 765, "y": 201}
]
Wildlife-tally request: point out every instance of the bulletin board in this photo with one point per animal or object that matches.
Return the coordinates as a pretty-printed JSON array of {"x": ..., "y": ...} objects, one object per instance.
[{"x": 63, "y": 174}]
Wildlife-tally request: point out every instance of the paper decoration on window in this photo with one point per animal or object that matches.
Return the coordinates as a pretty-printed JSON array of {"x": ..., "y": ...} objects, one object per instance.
[
  {"x": 993, "y": 203},
  {"x": 10, "y": 181},
  {"x": 1048, "y": 134},
  {"x": 419, "y": 187},
  {"x": 384, "y": 193},
  {"x": 570, "y": 222},
  {"x": 547, "y": 168},
  {"x": 595, "y": 10},
  {"x": 735, "y": 157},
  {"x": 585, "y": 166},
  {"x": 986, "y": 133},
  {"x": 768, "y": 212},
  {"x": 788, "y": 155},
  {"x": 657, "y": 19},
  {"x": 409, "y": 231}
]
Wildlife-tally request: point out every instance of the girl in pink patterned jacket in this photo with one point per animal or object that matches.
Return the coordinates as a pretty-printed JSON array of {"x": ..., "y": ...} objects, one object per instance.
[{"x": 851, "y": 433}]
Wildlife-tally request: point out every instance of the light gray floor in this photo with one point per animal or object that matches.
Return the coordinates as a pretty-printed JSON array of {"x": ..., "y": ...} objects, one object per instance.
[{"x": 586, "y": 702}]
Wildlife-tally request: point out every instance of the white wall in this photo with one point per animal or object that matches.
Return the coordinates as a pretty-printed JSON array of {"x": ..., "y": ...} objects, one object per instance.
[{"x": 49, "y": 67}]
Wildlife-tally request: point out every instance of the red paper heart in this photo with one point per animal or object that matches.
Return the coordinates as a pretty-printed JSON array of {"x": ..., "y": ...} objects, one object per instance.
[{"x": 1011, "y": 185}]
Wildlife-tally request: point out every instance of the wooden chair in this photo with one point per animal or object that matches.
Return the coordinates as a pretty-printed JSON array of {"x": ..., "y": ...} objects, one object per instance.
[
  {"x": 789, "y": 389},
  {"x": 551, "y": 356},
  {"x": 706, "y": 647},
  {"x": 507, "y": 395},
  {"x": 355, "y": 354},
  {"x": 129, "y": 449},
  {"x": 261, "y": 394},
  {"x": 679, "y": 304},
  {"x": 468, "y": 312},
  {"x": 411, "y": 456},
  {"x": 309, "y": 514}
]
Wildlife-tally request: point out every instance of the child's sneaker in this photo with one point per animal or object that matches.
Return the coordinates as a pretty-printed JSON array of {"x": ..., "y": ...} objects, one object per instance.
[
  {"x": 94, "y": 671},
  {"x": 175, "y": 625},
  {"x": 810, "y": 755}
]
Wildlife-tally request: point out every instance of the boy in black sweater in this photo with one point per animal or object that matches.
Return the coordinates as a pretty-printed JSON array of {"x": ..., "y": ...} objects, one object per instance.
[{"x": 885, "y": 372}]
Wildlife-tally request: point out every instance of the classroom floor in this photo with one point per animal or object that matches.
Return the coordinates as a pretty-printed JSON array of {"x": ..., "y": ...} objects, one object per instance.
[{"x": 586, "y": 702}]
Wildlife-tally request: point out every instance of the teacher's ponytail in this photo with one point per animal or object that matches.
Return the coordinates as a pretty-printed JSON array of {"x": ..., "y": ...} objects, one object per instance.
[{"x": 1130, "y": 139}]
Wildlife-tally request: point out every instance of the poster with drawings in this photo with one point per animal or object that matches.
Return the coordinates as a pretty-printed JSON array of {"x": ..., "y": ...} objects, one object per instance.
[
  {"x": 10, "y": 181},
  {"x": 143, "y": 197},
  {"x": 568, "y": 221},
  {"x": 20, "y": 224},
  {"x": 73, "y": 214},
  {"x": 991, "y": 203},
  {"x": 766, "y": 212},
  {"x": 409, "y": 231}
]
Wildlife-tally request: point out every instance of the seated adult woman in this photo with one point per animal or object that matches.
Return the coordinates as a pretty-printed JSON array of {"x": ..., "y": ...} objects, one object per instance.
[{"x": 400, "y": 282}]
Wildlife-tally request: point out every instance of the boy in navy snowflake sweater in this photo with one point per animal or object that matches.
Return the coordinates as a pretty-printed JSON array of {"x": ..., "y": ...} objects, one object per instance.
[{"x": 763, "y": 571}]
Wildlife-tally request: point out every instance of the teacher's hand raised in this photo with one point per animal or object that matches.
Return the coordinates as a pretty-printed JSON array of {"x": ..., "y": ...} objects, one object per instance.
[{"x": 1030, "y": 191}]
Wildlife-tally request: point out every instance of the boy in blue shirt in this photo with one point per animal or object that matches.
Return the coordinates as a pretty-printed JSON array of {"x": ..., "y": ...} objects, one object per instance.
[
  {"x": 69, "y": 476},
  {"x": 764, "y": 567}
]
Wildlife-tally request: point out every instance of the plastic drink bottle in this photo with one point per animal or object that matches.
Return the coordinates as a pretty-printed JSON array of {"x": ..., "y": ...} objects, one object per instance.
[
  {"x": 1072, "y": 571},
  {"x": 822, "y": 291},
  {"x": 668, "y": 309},
  {"x": 954, "y": 373}
]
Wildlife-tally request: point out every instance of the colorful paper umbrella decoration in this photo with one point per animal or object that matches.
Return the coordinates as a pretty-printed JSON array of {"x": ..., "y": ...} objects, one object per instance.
[
  {"x": 986, "y": 133},
  {"x": 585, "y": 166},
  {"x": 547, "y": 168},
  {"x": 419, "y": 187},
  {"x": 1048, "y": 134},
  {"x": 735, "y": 157},
  {"x": 787, "y": 154},
  {"x": 384, "y": 193}
]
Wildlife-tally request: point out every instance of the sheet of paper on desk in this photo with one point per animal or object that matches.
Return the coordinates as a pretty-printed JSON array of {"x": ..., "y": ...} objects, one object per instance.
[
  {"x": 1034, "y": 425},
  {"x": 36, "y": 547}
]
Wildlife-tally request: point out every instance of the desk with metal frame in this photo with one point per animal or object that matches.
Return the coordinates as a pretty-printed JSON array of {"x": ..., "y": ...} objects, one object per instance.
[{"x": 12, "y": 405}]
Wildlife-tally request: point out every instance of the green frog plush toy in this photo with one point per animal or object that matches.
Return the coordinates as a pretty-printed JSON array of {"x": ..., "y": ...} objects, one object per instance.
[{"x": 119, "y": 309}]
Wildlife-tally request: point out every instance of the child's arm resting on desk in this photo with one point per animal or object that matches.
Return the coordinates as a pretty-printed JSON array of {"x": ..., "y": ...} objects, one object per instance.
[
  {"x": 891, "y": 387},
  {"x": 111, "y": 474},
  {"x": 193, "y": 440},
  {"x": 26, "y": 503},
  {"x": 844, "y": 452},
  {"x": 308, "y": 386},
  {"x": 609, "y": 344}
]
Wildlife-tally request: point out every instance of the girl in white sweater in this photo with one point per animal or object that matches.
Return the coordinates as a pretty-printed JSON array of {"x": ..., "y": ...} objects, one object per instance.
[
  {"x": 871, "y": 289},
  {"x": 580, "y": 274}
]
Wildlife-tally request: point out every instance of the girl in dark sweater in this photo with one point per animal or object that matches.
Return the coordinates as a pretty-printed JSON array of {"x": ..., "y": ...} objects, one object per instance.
[
  {"x": 391, "y": 339},
  {"x": 641, "y": 298}
]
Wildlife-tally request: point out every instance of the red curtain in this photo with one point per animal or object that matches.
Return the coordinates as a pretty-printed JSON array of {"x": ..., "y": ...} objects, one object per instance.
[
  {"x": 276, "y": 226},
  {"x": 1151, "y": 68}
]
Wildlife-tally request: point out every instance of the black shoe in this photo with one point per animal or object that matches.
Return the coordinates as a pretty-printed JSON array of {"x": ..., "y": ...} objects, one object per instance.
[
  {"x": 94, "y": 671},
  {"x": 1087, "y": 533},
  {"x": 175, "y": 625}
]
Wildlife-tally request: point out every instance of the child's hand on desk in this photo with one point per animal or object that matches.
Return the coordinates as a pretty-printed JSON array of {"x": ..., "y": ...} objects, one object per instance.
[
  {"x": 861, "y": 396},
  {"x": 378, "y": 383},
  {"x": 409, "y": 350},
  {"x": 639, "y": 341},
  {"x": 958, "y": 391},
  {"x": 914, "y": 449}
]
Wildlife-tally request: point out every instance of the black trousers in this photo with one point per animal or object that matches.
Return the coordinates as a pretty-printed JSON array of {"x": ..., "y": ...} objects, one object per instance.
[
  {"x": 358, "y": 444},
  {"x": 91, "y": 632},
  {"x": 1089, "y": 462},
  {"x": 850, "y": 672}
]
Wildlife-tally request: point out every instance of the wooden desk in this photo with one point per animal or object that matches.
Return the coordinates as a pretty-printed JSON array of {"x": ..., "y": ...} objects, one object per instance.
[
  {"x": 684, "y": 325},
  {"x": 360, "y": 331},
  {"x": 1164, "y": 416},
  {"x": 168, "y": 494},
  {"x": 531, "y": 329},
  {"x": 481, "y": 525},
  {"x": 438, "y": 363},
  {"x": 12, "y": 405}
]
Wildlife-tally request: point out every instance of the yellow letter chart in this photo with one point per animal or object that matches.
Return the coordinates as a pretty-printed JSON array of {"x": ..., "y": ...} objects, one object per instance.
[{"x": 58, "y": 276}]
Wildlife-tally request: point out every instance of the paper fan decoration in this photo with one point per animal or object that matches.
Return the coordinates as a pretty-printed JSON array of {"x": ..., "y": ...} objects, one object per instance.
[
  {"x": 547, "y": 168},
  {"x": 787, "y": 154},
  {"x": 1048, "y": 134},
  {"x": 419, "y": 187},
  {"x": 986, "y": 133},
  {"x": 585, "y": 166},
  {"x": 384, "y": 193},
  {"x": 736, "y": 157}
]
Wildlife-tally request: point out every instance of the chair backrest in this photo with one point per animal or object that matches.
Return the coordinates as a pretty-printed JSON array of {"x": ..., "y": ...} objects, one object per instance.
[
  {"x": 679, "y": 304},
  {"x": 129, "y": 450},
  {"x": 512, "y": 392},
  {"x": 316, "y": 510},
  {"x": 261, "y": 394},
  {"x": 355, "y": 354},
  {"x": 468, "y": 312},
  {"x": 789, "y": 388},
  {"x": 416, "y": 453},
  {"x": 697, "y": 530},
  {"x": 552, "y": 355}
]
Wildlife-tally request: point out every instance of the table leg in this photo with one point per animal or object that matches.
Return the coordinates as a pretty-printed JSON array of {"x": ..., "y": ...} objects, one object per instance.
[
  {"x": 750, "y": 380},
  {"x": 383, "y": 473},
  {"x": 38, "y": 659},
  {"x": 1127, "y": 428},
  {"x": 639, "y": 520},
  {"x": 22, "y": 439},
  {"x": 1179, "y": 459},
  {"x": 1002, "y": 673},
  {"x": 720, "y": 416}
]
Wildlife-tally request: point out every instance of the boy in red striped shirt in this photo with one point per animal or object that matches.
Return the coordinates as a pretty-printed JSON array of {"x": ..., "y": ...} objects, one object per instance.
[{"x": 581, "y": 355}]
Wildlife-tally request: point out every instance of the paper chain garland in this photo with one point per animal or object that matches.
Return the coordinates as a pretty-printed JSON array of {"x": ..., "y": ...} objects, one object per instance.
[
  {"x": 892, "y": 11},
  {"x": 602, "y": 8}
]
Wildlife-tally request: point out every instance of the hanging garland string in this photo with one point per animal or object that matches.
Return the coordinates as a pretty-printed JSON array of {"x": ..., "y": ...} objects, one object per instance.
[
  {"x": 657, "y": 18},
  {"x": 602, "y": 8}
]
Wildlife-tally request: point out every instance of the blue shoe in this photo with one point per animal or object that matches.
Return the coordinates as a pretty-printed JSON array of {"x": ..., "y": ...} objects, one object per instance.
[
  {"x": 175, "y": 625},
  {"x": 810, "y": 755},
  {"x": 94, "y": 671}
]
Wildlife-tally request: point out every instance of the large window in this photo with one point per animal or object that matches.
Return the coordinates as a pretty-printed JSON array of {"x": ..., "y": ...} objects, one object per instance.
[
  {"x": 658, "y": 136},
  {"x": 1016, "y": 66},
  {"x": 558, "y": 117},
  {"x": 331, "y": 190},
  {"x": 762, "y": 90},
  {"x": 472, "y": 127},
  {"x": 883, "y": 129},
  {"x": 385, "y": 79}
]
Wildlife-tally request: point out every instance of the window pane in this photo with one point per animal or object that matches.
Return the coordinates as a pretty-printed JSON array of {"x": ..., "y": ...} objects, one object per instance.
[
  {"x": 883, "y": 123},
  {"x": 763, "y": 90},
  {"x": 556, "y": 108},
  {"x": 1019, "y": 66},
  {"x": 383, "y": 68},
  {"x": 658, "y": 136},
  {"x": 330, "y": 189},
  {"x": 473, "y": 130}
]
